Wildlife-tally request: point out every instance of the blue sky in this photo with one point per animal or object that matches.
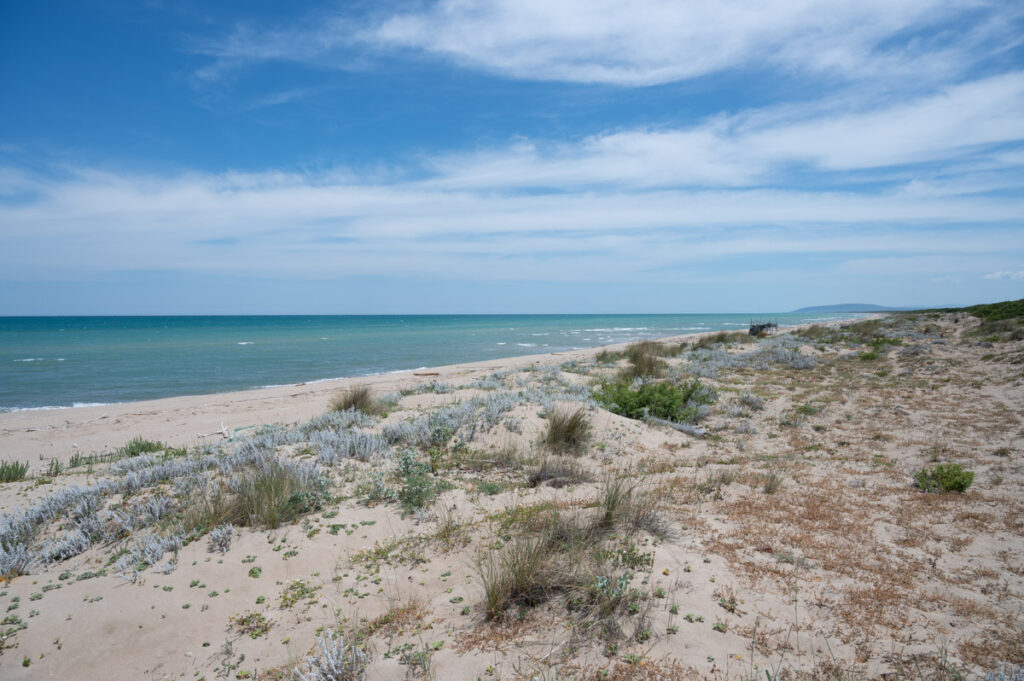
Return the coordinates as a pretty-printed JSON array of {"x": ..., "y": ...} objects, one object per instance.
[{"x": 509, "y": 156}]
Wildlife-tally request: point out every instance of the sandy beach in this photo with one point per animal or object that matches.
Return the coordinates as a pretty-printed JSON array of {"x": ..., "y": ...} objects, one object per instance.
[{"x": 783, "y": 533}]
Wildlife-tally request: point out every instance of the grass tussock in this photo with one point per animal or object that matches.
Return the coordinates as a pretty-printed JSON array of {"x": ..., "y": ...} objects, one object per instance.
[
  {"x": 523, "y": 573},
  {"x": 623, "y": 504},
  {"x": 644, "y": 361},
  {"x": 770, "y": 482},
  {"x": 608, "y": 357},
  {"x": 585, "y": 556},
  {"x": 722, "y": 338},
  {"x": 558, "y": 471},
  {"x": 358, "y": 398},
  {"x": 568, "y": 430},
  {"x": 12, "y": 471},
  {"x": 275, "y": 493},
  {"x": 865, "y": 331},
  {"x": 817, "y": 332},
  {"x": 270, "y": 493},
  {"x": 208, "y": 510}
]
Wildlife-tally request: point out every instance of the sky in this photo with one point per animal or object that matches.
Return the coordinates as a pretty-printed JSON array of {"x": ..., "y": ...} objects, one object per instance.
[{"x": 511, "y": 156}]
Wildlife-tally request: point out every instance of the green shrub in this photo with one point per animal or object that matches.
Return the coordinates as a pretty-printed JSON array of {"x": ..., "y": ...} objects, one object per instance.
[
  {"x": 945, "y": 477},
  {"x": 418, "y": 487},
  {"x": 568, "y": 429},
  {"x": 680, "y": 403},
  {"x": 1008, "y": 309},
  {"x": 12, "y": 471}
]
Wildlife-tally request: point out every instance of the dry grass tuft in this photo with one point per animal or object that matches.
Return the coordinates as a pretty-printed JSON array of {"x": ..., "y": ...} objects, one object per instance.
[
  {"x": 558, "y": 471},
  {"x": 359, "y": 398},
  {"x": 644, "y": 360},
  {"x": 568, "y": 430}
]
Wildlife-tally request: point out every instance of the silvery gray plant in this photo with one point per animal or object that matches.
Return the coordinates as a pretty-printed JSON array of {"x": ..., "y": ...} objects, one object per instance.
[
  {"x": 147, "y": 550},
  {"x": 332, "y": 446},
  {"x": 68, "y": 546},
  {"x": 335, "y": 662},
  {"x": 336, "y": 421},
  {"x": 16, "y": 560},
  {"x": 220, "y": 538},
  {"x": 1004, "y": 674}
]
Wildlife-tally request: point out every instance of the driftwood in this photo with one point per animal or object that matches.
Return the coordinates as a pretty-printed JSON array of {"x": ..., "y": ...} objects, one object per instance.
[
  {"x": 222, "y": 432},
  {"x": 687, "y": 428}
]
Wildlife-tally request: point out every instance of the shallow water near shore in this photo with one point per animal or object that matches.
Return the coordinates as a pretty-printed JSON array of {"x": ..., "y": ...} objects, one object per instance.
[{"x": 77, "y": 361}]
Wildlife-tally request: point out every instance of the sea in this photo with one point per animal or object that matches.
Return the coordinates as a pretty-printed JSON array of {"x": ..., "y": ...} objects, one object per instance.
[{"x": 51, "y": 362}]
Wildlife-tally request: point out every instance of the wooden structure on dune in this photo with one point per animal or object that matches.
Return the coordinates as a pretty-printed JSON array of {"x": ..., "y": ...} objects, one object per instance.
[{"x": 763, "y": 328}]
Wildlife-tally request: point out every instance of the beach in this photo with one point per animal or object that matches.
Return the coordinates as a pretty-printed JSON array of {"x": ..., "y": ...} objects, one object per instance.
[{"x": 780, "y": 531}]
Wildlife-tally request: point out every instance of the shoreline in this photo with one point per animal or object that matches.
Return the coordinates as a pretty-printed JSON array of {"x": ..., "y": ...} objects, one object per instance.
[
  {"x": 42, "y": 433},
  {"x": 212, "y": 368}
]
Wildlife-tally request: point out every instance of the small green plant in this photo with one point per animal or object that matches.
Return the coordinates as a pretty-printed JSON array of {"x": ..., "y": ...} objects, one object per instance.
[
  {"x": 12, "y": 471},
  {"x": 720, "y": 626},
  {"x": 255, "y": 571},
  {"x": 139, "y": 445},
  {"x": 418, "y": 487},
  {"x": 297, "y": 590},
  {"x": 949, "y": 477},
  {"x": 55, "y": 468},
  {"x": 488, "y": 487},
  {"x": 252, "y": 624}
]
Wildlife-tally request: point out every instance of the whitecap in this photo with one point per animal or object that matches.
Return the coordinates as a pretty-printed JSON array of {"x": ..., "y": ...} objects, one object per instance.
[
  {"x": 30, "y": 359},
  {"x": 245, "y": 342}
]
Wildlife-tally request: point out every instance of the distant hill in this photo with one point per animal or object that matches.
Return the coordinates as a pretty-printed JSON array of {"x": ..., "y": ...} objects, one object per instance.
[{"x": 851, "y": 307}]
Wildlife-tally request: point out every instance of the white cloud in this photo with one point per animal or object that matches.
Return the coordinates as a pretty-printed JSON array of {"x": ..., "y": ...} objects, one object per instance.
[
  {"x": 277, "y": 224},
  {"x": 1012, "y": 276},
  {"x": 634, "y": 202},
  {"x": 962, "y": 123},
  {"x": 645, "y": 42}
]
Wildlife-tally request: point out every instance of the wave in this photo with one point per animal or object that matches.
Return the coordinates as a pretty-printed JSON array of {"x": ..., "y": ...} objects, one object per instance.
[
  {"x": 245, "y": 342},
  {"x": 73, "y": 405}
]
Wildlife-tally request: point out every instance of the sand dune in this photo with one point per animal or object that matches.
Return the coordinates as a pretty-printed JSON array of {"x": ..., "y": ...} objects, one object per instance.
[{"x": 790, "y": 538}]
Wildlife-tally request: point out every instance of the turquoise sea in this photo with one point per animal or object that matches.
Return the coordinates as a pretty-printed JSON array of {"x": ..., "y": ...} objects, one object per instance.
[{"x": 77, "y": 361}]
